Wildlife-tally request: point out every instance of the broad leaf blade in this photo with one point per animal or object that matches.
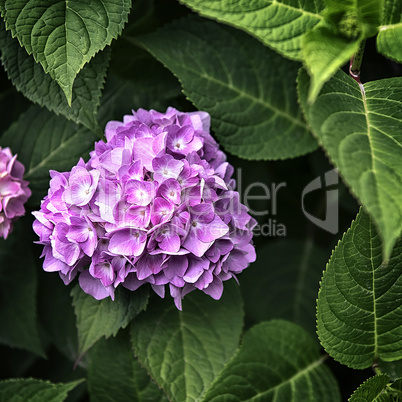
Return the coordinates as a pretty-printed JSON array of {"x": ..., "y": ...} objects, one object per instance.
[
  {"x": 98, "y": 318},
  {"x": 278, "y": 24},
  {"x": 57, "y": 314},
  {"x": 64, "y": 35},
  {"x": 184, "y": 351},
  {"x": 351, "y": 18},
  {"x": 30, "y": 79},
  {"x": 277, "y": 361},
  {"x": 283, "y": 284},
  {"x": 324, "y": 52},
  {"x": 359, "y": 309},
  {"x": 389, "y": 36},
  {"x": 329, "y": 46},
  {"x": 248, "y": 90},
  {"x": 374, "y": 389},
  {"x": 396, "y": 388},
  {"x": 389, "y": 41},
  {"x": 392, "y": 369},
  {"x": 33, "y": 390},
  {"x": 44, "y": 141},
  {"x": 365, "y": 122},
  {"x": 18, "y": 290},
  {"x": 131, "y": 84},
  {"x": 115, "y": 375}
]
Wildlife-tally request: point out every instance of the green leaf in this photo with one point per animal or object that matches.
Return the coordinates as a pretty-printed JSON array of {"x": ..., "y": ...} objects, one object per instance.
[
  {"x": 324, "y": 52},
  {"x": 115, "y": 375},
  {"x": 277, "y": 361},
  {"x": 389, "y": 41},
  {"x": 98, "y": 318},
  {"x": 284, "y": 285},
  {"x": 248, "y": 90},
  {"x": 184, "y": 351},
  {"x": 390, "y": 34},
  {"x": 131, "y": 84},
  {"x": 18, "y": 282},
  {"x": 45, "y": 141},
  {"x": 30, "y": 79},
  {"x": 57, "y": 314},
  {"x": 396, "y": 387},
  {"x": 378, "y": 389},
  {"x": 64, "y": 35},
  {"x": 279, "y": 24},
  {"x": 11, "y": 101},
  {"x": 392, "y": 369},
  {"x": 354, "y": 18},
  {"x": 371, "y": 389},
  {"x": 366, "y": 122},
  {"x": 329, "y": 46},
  {"x": 34, "y": 390},
  {"x": 359, "y": 308}
]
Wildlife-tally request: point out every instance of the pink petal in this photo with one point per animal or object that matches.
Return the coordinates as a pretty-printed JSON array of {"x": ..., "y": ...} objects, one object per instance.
[
  {"x": 130, "y": 242},
  {"x": 212, "y": 231},
  {"x": 195, "y": 245},
  {"x": 94, "y": 287},
  {"x": 214, "y": 289}
]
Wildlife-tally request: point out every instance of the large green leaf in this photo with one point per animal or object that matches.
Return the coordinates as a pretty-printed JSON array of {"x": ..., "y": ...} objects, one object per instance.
[
  {"x": 279, "y": 24},
  {"x": 45, "y": 141},
  {"x": 115, "y": 375},
  {"x": 184, "y": 351},
  {"x": 278, "y": 361},
  {"x": 360, "y": 128},
  {"x": 57, "y": 314},
  {"x": 283, "y": 284},
  {"x": 11, "y": 101},
  {"x": 389, "y": 38},
  {"x": 371, "y": 389},
  {"x": 359, "y": 308},
  {"x": 131, "y": 84},
  {"x": 396, "y": 388},
  {"x": 64, "y": 35},
  {"x": 329, "y": 46},
  {"x": 324, "y": 52},
  {"x": 352, "y": 18},
  {"x": 248, "y": 89},
  {"x": 34, "y": 390},
  {"x": 378, "y": 389},
  {"x": 392, "y": 369},
  {"x": 98, "y": 318},
  {"x": 18, "y": 316},
  {"x": 30, "y": 79}
]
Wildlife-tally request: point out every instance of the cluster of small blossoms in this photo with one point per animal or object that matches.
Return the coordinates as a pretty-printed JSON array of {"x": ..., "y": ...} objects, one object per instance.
[
  {"x": 154, "y": 204},
  {"x": 14, "y": 191}
]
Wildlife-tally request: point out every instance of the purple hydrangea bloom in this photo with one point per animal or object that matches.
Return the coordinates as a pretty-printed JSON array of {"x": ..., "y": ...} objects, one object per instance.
[
  {"x": 154, "y": 204},
  {"x": 14, "y": 191}
]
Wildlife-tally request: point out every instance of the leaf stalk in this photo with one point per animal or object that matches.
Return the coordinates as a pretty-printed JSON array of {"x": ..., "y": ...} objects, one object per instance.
[{"x": 356, "y": 62}]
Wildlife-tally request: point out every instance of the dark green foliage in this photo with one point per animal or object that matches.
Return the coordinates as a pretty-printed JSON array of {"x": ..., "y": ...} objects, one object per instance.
[{"x": 268, "y": 72}]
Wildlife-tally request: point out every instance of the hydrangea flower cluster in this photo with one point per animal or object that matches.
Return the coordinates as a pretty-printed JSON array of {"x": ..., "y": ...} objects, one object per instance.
[
  {"x": 14, "y": 191},
  {"x": 154, "y": 204}
]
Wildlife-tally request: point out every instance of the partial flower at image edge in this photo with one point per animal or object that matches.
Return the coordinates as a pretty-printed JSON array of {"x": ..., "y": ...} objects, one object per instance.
[{"x": 14, "y": 191}]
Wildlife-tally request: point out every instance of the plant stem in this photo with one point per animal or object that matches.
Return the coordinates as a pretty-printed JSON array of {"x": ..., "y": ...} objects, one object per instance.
[{"x": 356, "y": 62}]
